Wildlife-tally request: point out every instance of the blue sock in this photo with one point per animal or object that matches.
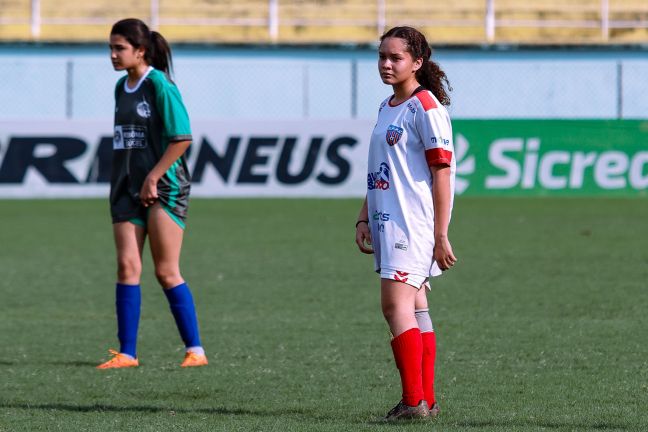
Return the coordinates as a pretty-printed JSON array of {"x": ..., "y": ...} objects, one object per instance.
[
  {"x": 129, "y": 299},
  {"x": 184, "y": 312}
]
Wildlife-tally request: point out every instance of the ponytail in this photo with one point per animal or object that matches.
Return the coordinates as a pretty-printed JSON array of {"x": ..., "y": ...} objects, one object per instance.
[
  {"x": 159, "y": 54},
  {"x": 434, "y": 79},
  {"x": 430, "y": 75},
  {"x": 157, "y": 51}
]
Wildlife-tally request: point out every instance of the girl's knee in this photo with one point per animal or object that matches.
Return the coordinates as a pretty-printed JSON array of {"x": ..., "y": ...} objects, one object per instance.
[
  {"x": 129, "y": 270},
  {"x": 389, "y": 310},
  {"x": 168, "y": 276}
]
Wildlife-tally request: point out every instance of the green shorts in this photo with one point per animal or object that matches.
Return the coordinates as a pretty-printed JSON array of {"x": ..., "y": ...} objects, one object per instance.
[
  {"x": 142, "y": 220},
  {"x": 125, "y": 205}
]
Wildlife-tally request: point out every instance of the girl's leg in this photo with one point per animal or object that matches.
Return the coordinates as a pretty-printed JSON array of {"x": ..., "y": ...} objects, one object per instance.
[
  {"x": 428, "y": 339},
  {"x": 165, "y": 237},
  {"x": 129, "y": 242},
  {"x": 398, "y": 301}
]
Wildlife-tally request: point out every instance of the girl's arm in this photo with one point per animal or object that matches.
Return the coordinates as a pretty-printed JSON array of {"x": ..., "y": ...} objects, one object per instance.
[
  {"x": 363, "y": 236},
  {"x": 148, "y": 193},
  {"x": 441, "y": 196}
]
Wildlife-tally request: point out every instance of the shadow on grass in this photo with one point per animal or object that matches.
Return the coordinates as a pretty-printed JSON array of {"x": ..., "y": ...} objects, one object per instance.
[
  {"x": 512, "y": 424},
  {"x": 74, "y": 363},
  {"x": 549, "y": 424},
  {"x": 52, "y": 363},
  {"x": 151, "y": 409}
]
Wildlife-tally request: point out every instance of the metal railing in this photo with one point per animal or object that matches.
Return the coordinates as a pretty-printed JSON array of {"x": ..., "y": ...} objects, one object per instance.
[
  {"x": 603, "y": 23},
  {"x": 486, "y": 15}
]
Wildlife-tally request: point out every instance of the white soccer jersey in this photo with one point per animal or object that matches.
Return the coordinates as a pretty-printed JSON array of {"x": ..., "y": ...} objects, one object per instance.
[{"x": 408, "y": 138}]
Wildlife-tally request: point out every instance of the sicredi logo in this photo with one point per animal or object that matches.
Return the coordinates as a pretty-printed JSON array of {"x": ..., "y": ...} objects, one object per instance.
[
  {"x": 465, "y": 163},
  {"x": 610, "y": 169}
]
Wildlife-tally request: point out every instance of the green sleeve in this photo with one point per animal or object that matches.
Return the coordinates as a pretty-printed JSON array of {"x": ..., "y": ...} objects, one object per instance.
[{"x": 171, "y": 108}]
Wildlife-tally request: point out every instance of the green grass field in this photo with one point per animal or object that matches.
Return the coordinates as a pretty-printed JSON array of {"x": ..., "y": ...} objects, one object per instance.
[{"x": 542, "y": 325}]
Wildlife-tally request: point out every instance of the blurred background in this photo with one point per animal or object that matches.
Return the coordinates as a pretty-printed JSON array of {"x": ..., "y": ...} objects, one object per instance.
[
  {"x": 293, "y": 66},
  {"x": 335, "y": 21}
]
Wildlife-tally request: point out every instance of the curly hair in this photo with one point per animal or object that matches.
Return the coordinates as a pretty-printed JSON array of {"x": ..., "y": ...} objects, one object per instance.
[{"x": 430, "y": 74}]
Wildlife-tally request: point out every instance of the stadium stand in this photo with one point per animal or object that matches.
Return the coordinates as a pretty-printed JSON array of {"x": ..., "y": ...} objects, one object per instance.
[{"x": 334, "y": 21}]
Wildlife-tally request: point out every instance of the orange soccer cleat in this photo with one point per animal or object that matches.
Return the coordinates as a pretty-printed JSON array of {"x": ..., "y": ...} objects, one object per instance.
[
  {"x": 194, "y": 359},
  {"x": 119, "y": 360}
]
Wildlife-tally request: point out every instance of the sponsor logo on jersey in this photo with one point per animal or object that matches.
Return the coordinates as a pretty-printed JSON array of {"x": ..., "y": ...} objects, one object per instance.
[
  {"x": 129, "y": 137},
  {"x": 465, "y": 163},
  {"x": 380, "y": 179},
  {"x": 441, "y": 140},
  {"x": 394, "y": 133},
  {"x": 143, "y": 109},
  {"x": 382, "y": 105},
  {"x": 380, "y": 218},
  {"x": 411, "y": 107},
  {"x": 400, "y": 245}
]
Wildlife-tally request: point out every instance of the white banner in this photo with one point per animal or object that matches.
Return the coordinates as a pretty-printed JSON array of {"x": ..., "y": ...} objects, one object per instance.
[{"x": 227, "y": 158}]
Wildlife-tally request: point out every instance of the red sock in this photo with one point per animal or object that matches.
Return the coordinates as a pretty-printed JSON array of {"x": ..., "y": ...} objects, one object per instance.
[
  {"x": 408, "y": 353},
  {"x": 429, "y": 355}
]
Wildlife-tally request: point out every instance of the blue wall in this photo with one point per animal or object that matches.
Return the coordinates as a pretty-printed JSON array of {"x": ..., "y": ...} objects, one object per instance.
[{"x": 57, "y": 82}]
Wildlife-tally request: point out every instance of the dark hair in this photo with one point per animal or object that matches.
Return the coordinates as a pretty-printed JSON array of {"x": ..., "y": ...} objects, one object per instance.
[
  {"x": 430, "y": 74},
  {"x": 157, "y": 51}
]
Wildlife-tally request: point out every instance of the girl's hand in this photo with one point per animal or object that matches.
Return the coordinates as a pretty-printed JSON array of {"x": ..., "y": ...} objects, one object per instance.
[
  {"x": 443, "y": 253},
  {"x": 363, "y": 238},
  {"x": 148, "y": 193}
]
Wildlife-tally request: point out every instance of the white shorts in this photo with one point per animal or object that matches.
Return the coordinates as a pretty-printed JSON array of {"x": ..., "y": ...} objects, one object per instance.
[{"x": 417, "y": 281}]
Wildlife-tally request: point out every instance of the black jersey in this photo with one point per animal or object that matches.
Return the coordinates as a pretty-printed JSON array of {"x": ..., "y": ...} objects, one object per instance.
[{"x": 148, "y": 118}]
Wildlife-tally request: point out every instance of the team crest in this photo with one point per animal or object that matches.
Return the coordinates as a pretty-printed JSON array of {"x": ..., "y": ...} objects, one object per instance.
[
  {"x": 143, "y": 109},
  {"x": 394, "y": 133}
]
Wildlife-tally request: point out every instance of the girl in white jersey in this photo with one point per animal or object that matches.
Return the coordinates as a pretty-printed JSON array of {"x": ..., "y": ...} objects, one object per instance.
[{"x": 405, "y": 216}]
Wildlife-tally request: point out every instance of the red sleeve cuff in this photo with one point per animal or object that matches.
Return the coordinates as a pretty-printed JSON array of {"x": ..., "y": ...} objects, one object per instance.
[{"x": 438, "y": 156}]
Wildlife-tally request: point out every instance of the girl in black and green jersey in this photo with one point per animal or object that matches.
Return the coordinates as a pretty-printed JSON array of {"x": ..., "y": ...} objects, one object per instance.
[{"x": 149, "y": 186}]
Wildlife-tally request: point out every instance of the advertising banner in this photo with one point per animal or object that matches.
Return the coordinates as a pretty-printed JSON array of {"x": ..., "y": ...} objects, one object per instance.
[
  {"x": 327, "y": 158},
  {"x": 227, "y": 158},
  {"x": 552, "y": 157}
]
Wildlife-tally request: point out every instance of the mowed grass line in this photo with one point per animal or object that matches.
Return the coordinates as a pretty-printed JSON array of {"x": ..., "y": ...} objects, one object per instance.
[{"x": 541, "y": 326}]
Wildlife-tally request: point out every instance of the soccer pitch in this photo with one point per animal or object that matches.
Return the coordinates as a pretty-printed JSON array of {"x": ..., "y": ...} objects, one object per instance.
[{"x": 542, "y": 324}]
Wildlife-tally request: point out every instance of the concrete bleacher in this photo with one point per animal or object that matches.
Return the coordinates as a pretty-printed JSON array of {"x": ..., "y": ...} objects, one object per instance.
[{"x": 333, "y": 21}]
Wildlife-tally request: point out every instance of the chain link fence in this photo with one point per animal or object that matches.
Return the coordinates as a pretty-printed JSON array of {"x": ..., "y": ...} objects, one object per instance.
[{"x": 300, "y": 84}]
